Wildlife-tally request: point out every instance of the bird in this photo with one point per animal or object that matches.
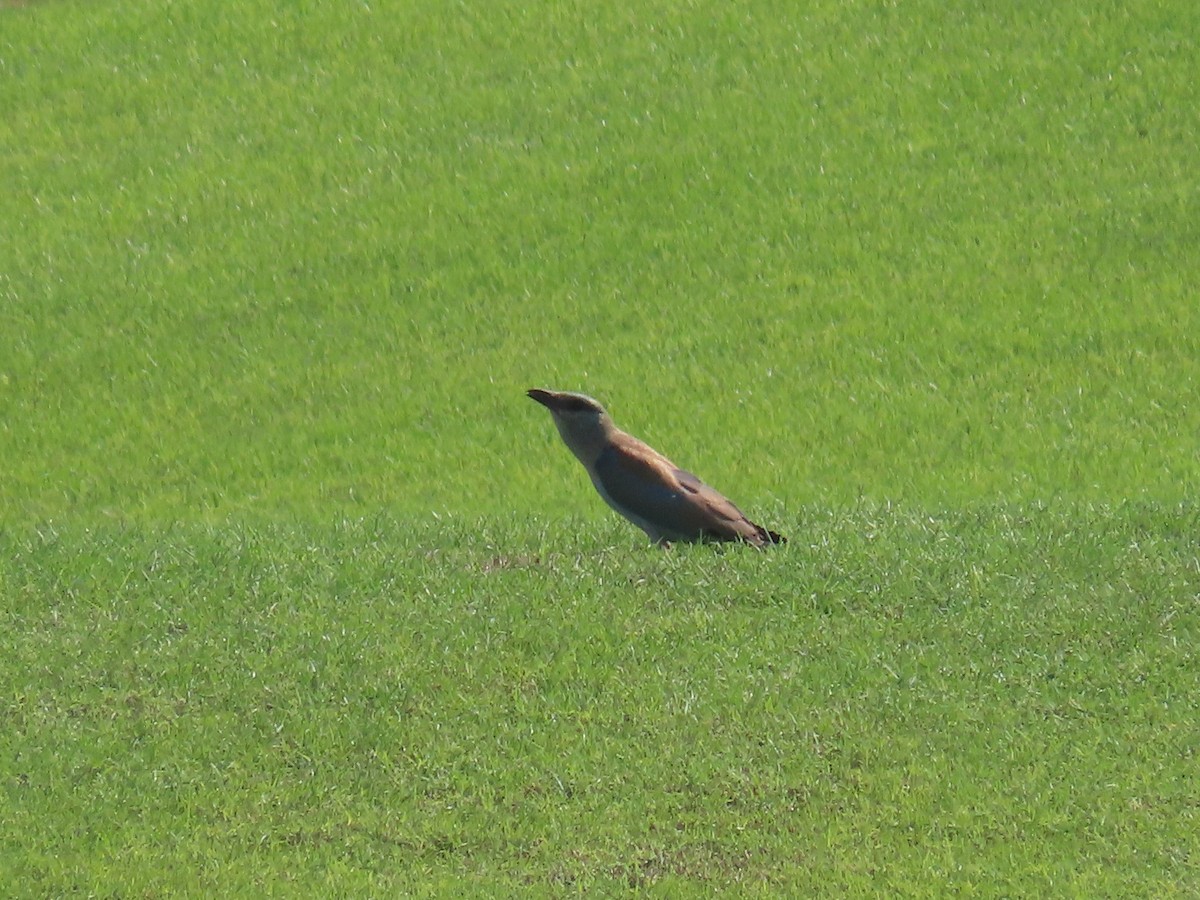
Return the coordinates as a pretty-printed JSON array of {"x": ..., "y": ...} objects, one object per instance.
[{"x": 665, "y": 501}]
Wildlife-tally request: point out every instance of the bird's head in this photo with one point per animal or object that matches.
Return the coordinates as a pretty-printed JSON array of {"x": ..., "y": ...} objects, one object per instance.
[{"x": 584, "y": 425}]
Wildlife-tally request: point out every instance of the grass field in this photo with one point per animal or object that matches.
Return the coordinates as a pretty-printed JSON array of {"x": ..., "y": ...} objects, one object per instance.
[
  {"x": 990, "y": 703},
  {"x": 300, "y": 595}
]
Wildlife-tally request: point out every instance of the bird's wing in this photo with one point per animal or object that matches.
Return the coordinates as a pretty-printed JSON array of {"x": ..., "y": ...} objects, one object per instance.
[
  {"x": 723, "y": 507},
  {"x": 643, "y": 483},
  {"x": 714, "y": 501}
]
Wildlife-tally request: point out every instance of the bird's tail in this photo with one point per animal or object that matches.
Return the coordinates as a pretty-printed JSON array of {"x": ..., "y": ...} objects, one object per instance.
[{"x": 771, "y": 537}]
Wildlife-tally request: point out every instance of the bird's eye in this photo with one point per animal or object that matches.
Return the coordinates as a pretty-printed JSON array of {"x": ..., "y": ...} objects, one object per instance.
[{"x": 575, "y": 404}]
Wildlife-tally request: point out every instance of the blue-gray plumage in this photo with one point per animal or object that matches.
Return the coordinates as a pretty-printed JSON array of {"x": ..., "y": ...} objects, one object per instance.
[{"x": 665, "y": 501}]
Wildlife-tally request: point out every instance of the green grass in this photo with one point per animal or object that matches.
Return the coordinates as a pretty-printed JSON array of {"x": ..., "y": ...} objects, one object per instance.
[
  {"x": 274, "y": 261},
  {"x": 997, "y": 701},
  {"x": 300, "y": 595}
]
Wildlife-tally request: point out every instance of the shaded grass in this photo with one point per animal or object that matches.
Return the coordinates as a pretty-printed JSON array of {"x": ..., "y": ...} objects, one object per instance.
[{"x": 996, "y": 699}]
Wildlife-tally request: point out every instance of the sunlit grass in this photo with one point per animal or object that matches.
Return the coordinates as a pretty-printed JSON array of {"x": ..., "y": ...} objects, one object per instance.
[{"x": 271, "y": 262}]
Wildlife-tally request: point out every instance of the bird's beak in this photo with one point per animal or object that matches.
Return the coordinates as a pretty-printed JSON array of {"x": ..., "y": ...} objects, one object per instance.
[{"x": 546, "y": 398}]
